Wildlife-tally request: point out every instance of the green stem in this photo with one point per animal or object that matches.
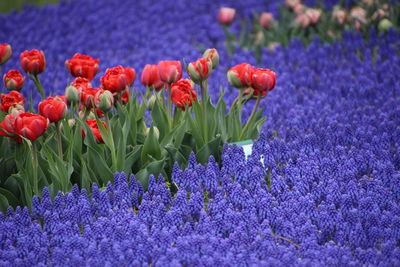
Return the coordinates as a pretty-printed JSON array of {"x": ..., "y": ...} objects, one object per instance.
[
  {"x": 72, "y": 110},
  {"x": 59, "y": 141},
  {"x": 112, "y": 148},
  {"x": 38, "y": 85},
  {"x": 86, "y": 113},
  {"x": 169, "y": 105},
  {"x": 204, "y": 97},
  {"x": 253, "y": 113},
  {"x": 35, "y": 169}
]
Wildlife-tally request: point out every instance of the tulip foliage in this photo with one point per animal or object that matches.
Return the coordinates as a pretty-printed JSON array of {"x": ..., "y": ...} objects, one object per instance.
[{"x": 90, "y": 133}]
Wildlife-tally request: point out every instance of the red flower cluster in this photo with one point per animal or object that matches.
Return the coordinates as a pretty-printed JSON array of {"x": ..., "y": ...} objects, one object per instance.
[
  {"x": 245, "y": 76},
  {"x": 33, "y": 62},
  {"x": 183, "y": 94},
  {"x": 13, "y": 80},
  {"x": 83, "y": 66},
  {"x": 11, "y": 100}
]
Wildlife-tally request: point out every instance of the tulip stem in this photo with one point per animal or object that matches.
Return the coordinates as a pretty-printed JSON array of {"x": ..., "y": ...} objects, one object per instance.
[
  {"x": 38, "y": 85},
  {"x": 59, "y": 141},
  {"x": 86, "y": 113},
  {"x": 249, "y": 121},
  {"x": 204, "y": 98},
  {"x": 169, "y": 104},
  {"x": 35, "y": 169}
]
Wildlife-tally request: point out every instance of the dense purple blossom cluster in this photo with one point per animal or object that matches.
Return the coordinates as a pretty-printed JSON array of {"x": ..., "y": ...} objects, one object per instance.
[{"x": 322, "y": 186}]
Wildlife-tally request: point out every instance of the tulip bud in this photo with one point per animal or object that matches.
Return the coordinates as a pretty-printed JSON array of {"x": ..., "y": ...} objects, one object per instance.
[
  {"x": 151, "y": 77},
  {"x": 212, "y": 54},
  {"x": 72, "y": 94},
  {"x": 384, "y": 25},
  {"x": 226, "y": 15},
  {"x": 155, "y": 131},
  {"x": 104, "y": 100},
  {"x": 152, "y": 100},
  {"x": 13, "y": 80},
  {"x": 170, "y": 71},
  {"x": 5, "y": 53},
  {"x": 266, "y": 20},
  {"x": 200, "y": 70},
  {"x": 53, "y": 108}
]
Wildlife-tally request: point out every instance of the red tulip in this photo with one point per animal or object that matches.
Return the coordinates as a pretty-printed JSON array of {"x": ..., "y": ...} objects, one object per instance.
[
  {"x": 31, "y": 126},
  {"x": 200, "y": 70},
  {"x": 13, "y": 80},
  {"x": 226, "y": 15},
  {"x": 240, "y": 75},
  {"x": 53, "y": 108},
  {"x": 80, "y": 83},
  {"x": 263, "y": 80},
  {"x": 5, "y": 53},
  {"x": 83, "y": 66},
  {"x": 117, "y": 79},
  {"x": 151, "y": 77},
  {"x": 11, "y": 100},
  {"x": 125, "y": 96},
  {"x": 7, "y": 126},
  {"x": 95, "y": 129},
  {"x": 87, "y": 96},
  {"x": 33, "y": 62},
  {"x": 183, "y": 94},
  {"x": 170, "y": 71}
]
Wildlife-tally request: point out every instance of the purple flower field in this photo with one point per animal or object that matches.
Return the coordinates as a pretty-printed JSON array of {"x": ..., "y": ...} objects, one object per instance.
[{"x": 321, "y": 187}]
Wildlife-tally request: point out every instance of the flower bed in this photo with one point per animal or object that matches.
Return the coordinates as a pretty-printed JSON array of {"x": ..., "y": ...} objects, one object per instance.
[{"x": 322, "y": 185}]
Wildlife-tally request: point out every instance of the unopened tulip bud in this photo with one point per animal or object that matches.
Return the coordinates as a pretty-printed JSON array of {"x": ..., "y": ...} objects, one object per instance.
[
  {"x": 5, "y": 53},
  {"x": 240, "y": 75},
  {"x": 384, "y": 25},
  {"x": 155, "y": 131},
  {"x": 104, "y": 100},
  {"x": 200, "y": 70},
  {"x": 152, "y": 100},
  {"x": 212, "y": 54},
  {"x": 72, "y": 94}
]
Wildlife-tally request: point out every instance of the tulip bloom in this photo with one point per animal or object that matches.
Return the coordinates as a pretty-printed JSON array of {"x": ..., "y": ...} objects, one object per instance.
[
  {"x": 266, "y": 20},
  {"x": 87, "y": 96},
  {"x": 200, "y": 70},
  {"x": 80, "y": 83},
  {"x": 31, "y": 126},
  {"x": 7, "y": 126},
  {"x": 263, "y": 80},
  {"x": 14, "y": 80},
  {"x": 170, "y": 71},
  {"x": 83, "y": 66},
  {"x": 183, "y": 94},
  {"x": 95, "y": 129},
  {"x": 117, "y": 79},
  {"x": 226, "y": 15},
  {"x": 11, "y": 100},
  {"x": 240, "y": 75},
  {"x": 5, "y": 53},
  {"x": 33, "y": 62},
  {"x": 151, "y": 77},
  {"x": 53, "y": 108}
]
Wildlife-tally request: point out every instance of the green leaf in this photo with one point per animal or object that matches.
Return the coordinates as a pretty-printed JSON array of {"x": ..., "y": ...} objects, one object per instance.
[
  {"x": 211, "y": 148},
  {"x": 131, "y": 158},
  {"x": 11, "y": 198},
  {"x": 176, "y": 156},
  {"x": 160, "y": 119},
  {"x": 196, "y": 131},
  {"x": 3, "y": 203},
  {"x": 151, "y": 146}
]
